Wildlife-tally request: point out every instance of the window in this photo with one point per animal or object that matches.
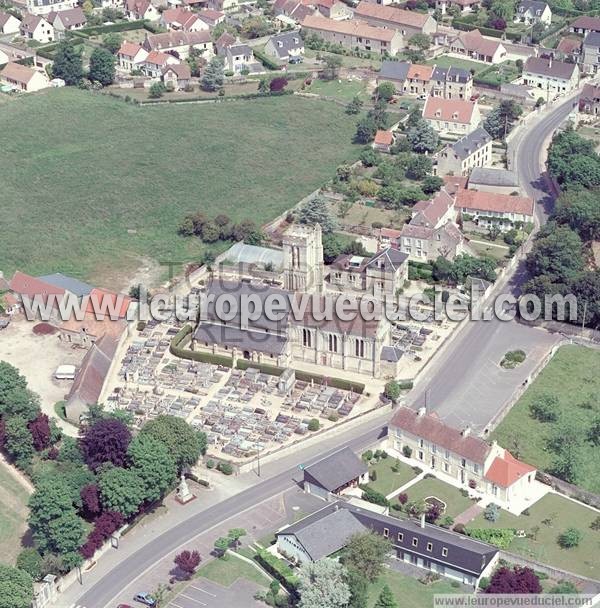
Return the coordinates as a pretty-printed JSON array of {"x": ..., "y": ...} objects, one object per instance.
[
  {"x": 434, "y": 448},
  {"x": 415, "y": 542},
  {"x": 400, "y": 537},
  {"x": 306, "y": 338},
  {"x": 430, "y": 547},
  {"x": 463, "y": 462},
  {"x": 386, "y": 533},
  {"x": 445, "y": 552},
  {"x": 446, "y": 467},
  {"x": 359, "y": 347},
  {"x": 421, "y": 443},
  {"x": 333, "y": 343}
]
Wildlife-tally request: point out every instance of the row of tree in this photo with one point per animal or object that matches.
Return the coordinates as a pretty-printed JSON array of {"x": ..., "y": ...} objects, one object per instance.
[
  {"x": 219, "y": 228},
  {"x": 68, "y": 64}
]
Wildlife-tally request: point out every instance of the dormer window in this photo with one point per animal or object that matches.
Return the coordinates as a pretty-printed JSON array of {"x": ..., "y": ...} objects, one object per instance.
[
  {"x": 279, "y": 44},
  {"x": 438, "y": 113},
  {"x": 455, "y": 116}
]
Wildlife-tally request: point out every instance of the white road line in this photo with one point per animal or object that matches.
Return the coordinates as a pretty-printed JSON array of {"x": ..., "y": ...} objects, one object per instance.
[
  {"x": 187, "y": 597},
  {"x": 174, "y": 604},
  {"x": 203, "y": 590}
]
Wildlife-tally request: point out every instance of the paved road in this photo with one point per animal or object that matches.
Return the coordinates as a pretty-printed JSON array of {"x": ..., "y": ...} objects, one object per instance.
[{"x": 458, "y": 367}]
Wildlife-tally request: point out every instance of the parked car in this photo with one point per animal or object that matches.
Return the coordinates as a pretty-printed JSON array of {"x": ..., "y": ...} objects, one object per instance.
[{"x": 145, "y": 598}]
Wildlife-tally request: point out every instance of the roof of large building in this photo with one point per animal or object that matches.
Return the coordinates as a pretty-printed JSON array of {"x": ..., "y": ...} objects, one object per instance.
[
  {"x": 590, "y": 92},
  {"x": 532, "y": 5},
  {"x": 242, "y": 339},
  {"x": 70, "y": 18},
  {"x": 451, "y": 74},
  {"x": 104, "y": 303},
  {"x": 492, "y": 201},
  {"x": 336, "y": 470},
  {"x": 396, "y": 16},
  {"x": 173, "y": 39},
  {"x": 420, "y": 72},
  {"x": 454, "y": 183},
  {"x": 350, "y": 27},
  {"x": 388, "y": 259},
  {"x": 430, "y": 212},
  {"x": 394, "y": 70},
  {"x": 467, "y": 145},
  {"x": 24, "y": 284},
  {"x": 431, "y": 428},
  {"x": 592, "y": 39},
  {"x": 488, "y": 176},
  {"x": 130, "y": 49},
  {"x": 241, "y": 253},
  {"x": 549, "y": 67},
  {"x": 30, "y": 22},
  {"x": 587, "y": 23},
  {"x": 506, "y": 470},
  {"x": 449, "y": 110},
  {"x": 474, "y": 41},
  {"x": 75, "y": 286}
]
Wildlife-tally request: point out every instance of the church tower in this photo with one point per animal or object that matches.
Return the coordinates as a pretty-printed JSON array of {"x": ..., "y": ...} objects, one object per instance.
[{"x": 303, "y": 259}]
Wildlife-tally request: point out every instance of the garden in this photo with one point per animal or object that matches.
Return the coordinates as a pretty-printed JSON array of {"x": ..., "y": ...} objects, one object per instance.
[{"x": 387, "y": 474}]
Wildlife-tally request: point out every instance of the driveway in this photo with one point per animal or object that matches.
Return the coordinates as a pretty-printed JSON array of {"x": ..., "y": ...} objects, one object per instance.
[{"x": 203, "y": 593}]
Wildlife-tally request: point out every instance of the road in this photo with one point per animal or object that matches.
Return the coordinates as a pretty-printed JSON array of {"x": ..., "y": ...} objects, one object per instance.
[{"x": 457, "y": 367}]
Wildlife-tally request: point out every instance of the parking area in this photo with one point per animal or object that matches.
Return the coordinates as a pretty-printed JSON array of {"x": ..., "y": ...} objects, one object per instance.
[{"x": 206, "y": 594}]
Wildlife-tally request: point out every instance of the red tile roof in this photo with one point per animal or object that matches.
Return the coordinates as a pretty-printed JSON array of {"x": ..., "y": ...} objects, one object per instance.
[
  {"x": 384, "y": 138},
  {"x": 17, "y": 73},
  {"x": 104, "y": 301},
  {"x": 129, "y": 49},
  {"x": 349, "y": 28},
  {"x": 420, "y": 72},
  {"x": 454, "y": 183},
  {"x": 506, "y": 470},
  {"x": 569, "y": 45},
  {"x": 389, "y": 233},
  {"x": 491, "y": 201},
  {"x": 23, "y": 284},
  {"x": 397, "y": 16},
  {"x": 432, "y": 429},
  {"x": 435, "y": 208},
  {"x": 474, "y": 41},
  {"x": 449, "y": 110}
]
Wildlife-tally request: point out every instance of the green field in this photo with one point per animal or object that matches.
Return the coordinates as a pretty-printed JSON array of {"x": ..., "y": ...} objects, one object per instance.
[
  {"x": 445, "y": 61},
  {"x": 572, "y": 376},
  {"x": 13, "y": 515},
  {"x": 456, "y": 503},
  {"x": 226, "y": 572},
  {"x": 344, "y": 90},
  {"x": 551, "y": 516},
  {"x": 387, "y": 480},
  {"x": 93, "y": 186}
]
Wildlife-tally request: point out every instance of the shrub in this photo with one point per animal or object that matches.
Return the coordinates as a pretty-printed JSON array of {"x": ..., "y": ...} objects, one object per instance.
[
  {"x": 225, "y": 467},
  {"x": 30, "y": 561},
  {"x": 460, "y": 528},
  {"x": 484, "y": 583},
  {"x": 447, "y": 522},
  {"x": 373, "y": 496},
  {"x": 595, "y": 525},
  {"x": 157, "y": 90},
  {"x": 570, "y": 538},
  {"x": 403, "y": 498},
  {"x": 314, "y": 425},
  {"x": 492, "y": 512},
  {"x": 500, "y": 537},
  {"x": 279, "y": 569},
  {"x": 367, "y": 456},
  {"x": 210, "y": 464},
  {"x": 392, "y": 390},
  {"x": 407, "y": 451}
]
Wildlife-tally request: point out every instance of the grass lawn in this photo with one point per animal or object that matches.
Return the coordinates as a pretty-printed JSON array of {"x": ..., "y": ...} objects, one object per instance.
[
  {"x": 344, "y": 90},
  {"x": 105, "y": 190},
  {"x": 498, "y": 252},
  {"x": 456, "y": 503},
  {"x": 445, "y": 61},
  {"x": 408, "y": 591},
  {"x": 226, "y": 572},
  {"x": 387, "y": 480},
  {"x": 13, "y": 515},
  {"x": 564, "y": 514},
  {"x": 362, "y": 215},
  {"x": 572, "y": 376},
  {"x": 347, "y": 60}
]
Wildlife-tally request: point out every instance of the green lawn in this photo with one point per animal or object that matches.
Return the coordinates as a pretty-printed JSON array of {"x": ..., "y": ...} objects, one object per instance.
[
  {"x": 564, "y": 514},
  {"x": 96, "y": 186},
  {"x": 446, "y": 61},
  {"x": 456, "y": 503},
  {"x": 344, "y": 90},
  {"x": 387, "y": 480},
  {"x": 347, "y": 60},
  {"x": 572, "y": 376},
  {"x": 226, "y": 572},
  {"x": 13, "y": 514},
  {"x": 408, "y": 591}
]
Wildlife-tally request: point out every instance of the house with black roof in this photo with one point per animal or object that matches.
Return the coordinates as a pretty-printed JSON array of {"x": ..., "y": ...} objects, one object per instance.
[
  {"x": 329, "y": 477},
  {"x": 551, "y": 77},
  {"x": 451, "y": 83},
  {"x": 472, "y": 150},
  {"x": 284, "y": 46},
  {"x": 426, "y": 546},
  {"x": 533, "y": 11}
]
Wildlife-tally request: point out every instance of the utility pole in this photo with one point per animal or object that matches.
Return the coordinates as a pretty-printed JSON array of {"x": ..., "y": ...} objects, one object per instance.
[{"x": 258, "y": 457}]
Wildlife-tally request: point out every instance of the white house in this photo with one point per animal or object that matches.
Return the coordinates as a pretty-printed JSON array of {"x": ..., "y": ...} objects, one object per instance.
[
  {"x": 553, "y": 78},
  {"x": 23, "y": 78},
  {"x": 66, "y": 21},
  {"x": 35, "y": 27},
  {"x": 9, "y": 24},
  {"x": 130, "y": 55},
  {"x": 43, "y": 7},
  {"x": 488, "y": 209},
  {"x": 458, "y": 116},
  {"x": 284, "y": 46},
  {"x": 533, "y": 11}
]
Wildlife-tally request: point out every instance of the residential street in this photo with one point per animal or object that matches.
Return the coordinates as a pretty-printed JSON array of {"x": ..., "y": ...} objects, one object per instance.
[{"x": 463, "y": 382}]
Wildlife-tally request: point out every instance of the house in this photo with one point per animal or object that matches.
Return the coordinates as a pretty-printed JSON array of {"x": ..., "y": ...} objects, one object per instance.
[
  {"x": 423, "y": 244},
  {"x": 472, "y": 150},
  {"x": 434, "y": 212},
  {"x": 531, "y": 12},
  {"x": 329, "y": 477},
  {"x": 395, "y": 72},
  {"x": 284, "y": 46},
  {"x": 35, "y": 27},
  {"x": 584, "y": 25},
  {"x": 591, "y": 53},
  {"x": 211, "y": 18},
  {"x": 388, "y": 237},
  {"x": 66, "y": 21},
  {"x": 156, "y": 62},
  {"x": 464, "y": 6},
  {"x": 500, "y": 181},
  {"x": 181, "y": 19},
  {"x": 332, "y": 9},
  {"x": 589, "y": 100},
  {"x": 457, "y": 116},
  {"x": 552, "y": 77},
  {"x": 9, "y": 24},
  {"x": 434, "y": 549},
  {"x": 177, "y": 76},
  {"x": 354, "y": 34},
  {"x": 468, "y": 460},
  {"x": 486, "y": 209},
  {"x": 43, "y": 7},
  {"x": 25, "y": 288},
  {"x": 451, "y": 83},
  {"x": 292, "y": 12},
  {"x": 383, "y": 142},
  {"x": 136, "y": 10},
  {"x": 23, "y": 78},
  {"x": 418, "y": 80},
  {"x": 238, "y": 57},
  {"x": 131, "y": 55},
  {"x": 569, "y": 49},
  {"x": 407, "y": 23},
  {"x": 180, "y": 43},
  {"x": 477, "y": 48},
  {"x": 223, "y": 6}
]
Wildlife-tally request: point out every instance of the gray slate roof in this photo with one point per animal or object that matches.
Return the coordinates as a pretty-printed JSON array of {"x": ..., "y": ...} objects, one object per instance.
[
  {"x": 592, "y": 39},
  {"x": 242, "y": 339},
  {"x": 394, "y": 70},
  {"x": 388, "y": 259},
  {"x": 549, "y": 67},
  {"x": 336, "y": 470},
  {"x": 286, "y": 42},
  {"x": 391, "y": 354},
  {"x": 464, "y": 147},
  {"x": 493, "y": 177},
  {"x": 75, "y": 286},
  {"x": 451, "y": 74},
  {"x": 533, "y": 5}
]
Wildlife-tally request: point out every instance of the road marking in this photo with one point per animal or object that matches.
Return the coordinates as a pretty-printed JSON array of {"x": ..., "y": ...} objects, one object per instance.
[
  {"x": 203, "y": 590},
  {"x": 187, "y": 597},
  {"x": 176, "y": 605}
]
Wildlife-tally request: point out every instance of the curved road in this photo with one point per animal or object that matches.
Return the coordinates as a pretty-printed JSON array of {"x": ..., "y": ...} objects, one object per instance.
[{"x": 446, "y": 370}]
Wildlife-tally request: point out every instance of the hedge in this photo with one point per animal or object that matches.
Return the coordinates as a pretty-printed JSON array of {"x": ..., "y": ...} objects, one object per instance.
[
  {"x": 272, "y": 370},
  {"x": 370, "y": 495},
  {"x": 466, "y": 26},
  {"x": 121, "y": 26},
  {"x": 266, "y": 60},
  {"x": 279, "y": 569},
  {"x": 193, "y": 355},
  {"x": 499, "y": 537}
]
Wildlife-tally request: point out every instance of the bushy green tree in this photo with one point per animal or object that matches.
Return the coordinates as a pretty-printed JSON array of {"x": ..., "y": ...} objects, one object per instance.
[
  {"x": 16, "y": 588},
  {"x": 102, "y": 66},
  {"x": 418, "y": 167},
  {"x": 67, "y": 63},
  {"x": 315, "y": 211},
  {"x": 30, "y": 560},
  {"x": 18, "y": 442},
  {"x": 386, "y": 599},
  {"x": 323, "y": 584},
  {"x": 386, "y": 90},
  {"x": 154, "y": 465},
  {"x": 121, "y": 490},
  {"x": 422, "y": 138},
  {"x": 212, "y": 77},
  {"x": 367, "y": 552}
]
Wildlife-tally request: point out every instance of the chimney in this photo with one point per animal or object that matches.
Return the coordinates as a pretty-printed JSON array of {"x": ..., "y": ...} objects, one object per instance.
[
  {"x": 421, "y": 411},
  {"x": 422, "y": 520},
  {"x": 466, "y": 431}
]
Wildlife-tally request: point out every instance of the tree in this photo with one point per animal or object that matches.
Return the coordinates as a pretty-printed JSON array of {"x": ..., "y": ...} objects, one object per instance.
[
  {"x": 322, "y": 584},
  {"x": 234, "y": 536},
  {"x": 67, "y": 63},
  {"x": 112, "y": 42},
  {"x": 184, "y": 443},
  {"x": 102, "y": 66},
  {"x": 213, "y": 78},
  {"x": 418, "y": 167},
  {"x": 221, "y": 546},
  {"x": 256, "y": 27},
  {"x": 500, "y": 120},
  {"x": 315, "y": 211},
  {"x": 386, "y": 90},
  {"x": 386, "y": 599},
  {"x": 157, "y": 90},
  {"x": 564, "y": 587},
  {"x": 503, "y": 9},
  {"x": 355, "y": 106},
  {"x": 566, "y": 444},
  {"x": 21, "y": 402},
  {"x": 359, "y": 589},
  {"x": 278, "y": 84},
  {"x": 570, "y": 538},
  {"x": 545, "y": 408},
  {"x": 121, "y": 490},
  {"x": 30, "y": 561},
  {"x": 580, "y": 209},
  {"x": 70, "y": 451},
  {"x": 367, "y": 552},
  {"x": 210, "y": 232},
  {"x": 10, "y": 378},
  {"x": 90, "y": 499},
  {"x": 422, "y": 138},
  {"x": 18, "y": 442},
  {"x": 16, "y": 588},
  {"x": 420, "y": 41},
  {"x": 314, "y": 425},
  {"x": 333, "y": 63},
  {"x": 154, "y": 465},
  {"x": 40, "y": 432},
  {"x": 187, "y": 562},
  {"x": 515, "y": 580},
  {"x": 431, "y": 184},
  {"x": 392, "y": 390},
  {"x": 365, "y": 130},
  {"x": 105, "y": 441}
]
